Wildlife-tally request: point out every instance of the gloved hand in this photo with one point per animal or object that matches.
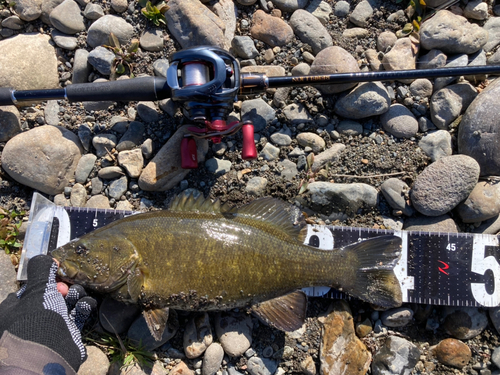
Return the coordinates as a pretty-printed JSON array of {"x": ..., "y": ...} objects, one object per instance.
[{"x": 39, "y": 313}]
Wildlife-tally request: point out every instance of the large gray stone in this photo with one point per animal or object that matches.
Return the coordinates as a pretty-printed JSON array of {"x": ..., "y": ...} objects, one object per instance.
[
  {"x": 28, "y": 10},
  {"x": 259, "y": 112},
  {"x": 99, "y": 32},
  {"x": 444, "y": 184},
  {"x": 334, "y": 60},
  {"x": 67, "y": 17},
  {"x": 399, "y": 121},
  {"x": 50, "y": 156},
  {"x": 35, "y": 64},
  {"x": 192, "y": 24},
  {"x": 310, "y": 30},
  {"x": 366, "y": 100},
  {"x": 290, "y": 5},
  {"x": 397, "y": 354},
  {"x": 479, "y": 130},
  {"x": 447, "y": 104},
  {"x": 451, "y": 33}
]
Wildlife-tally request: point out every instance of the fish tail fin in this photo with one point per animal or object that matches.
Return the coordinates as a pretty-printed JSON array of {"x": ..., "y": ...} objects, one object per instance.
[{"x": 374, "y": 280}]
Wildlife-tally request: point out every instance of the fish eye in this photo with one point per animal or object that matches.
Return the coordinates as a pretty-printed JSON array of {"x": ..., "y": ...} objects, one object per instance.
[{"x": 81, "y": 250}]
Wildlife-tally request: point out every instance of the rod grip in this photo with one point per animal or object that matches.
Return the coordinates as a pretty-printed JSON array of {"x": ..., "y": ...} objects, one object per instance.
[
  {"x": 6, "y": 96},
  {"x": 135, "y": 89}
]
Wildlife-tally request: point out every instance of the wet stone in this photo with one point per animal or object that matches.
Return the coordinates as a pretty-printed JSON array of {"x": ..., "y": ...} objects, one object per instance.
[
  {"x": 364, "y": 328},
  {"x": 464, "y": 322}
]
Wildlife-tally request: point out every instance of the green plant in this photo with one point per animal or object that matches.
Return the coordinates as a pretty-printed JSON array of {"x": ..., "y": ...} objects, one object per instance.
[
  {"x": 124, "y": 57},
  {"x": 415, "y": 11},
  {"x": 154, "y": 13},
  {"x": 9, "y": 230},
  {"x": 123, "y": 351},
  {"x": 310, "y": 174}
]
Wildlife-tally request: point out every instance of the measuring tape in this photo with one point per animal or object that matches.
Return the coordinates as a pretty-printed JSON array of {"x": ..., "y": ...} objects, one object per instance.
[{"x": 452, "y": 269}]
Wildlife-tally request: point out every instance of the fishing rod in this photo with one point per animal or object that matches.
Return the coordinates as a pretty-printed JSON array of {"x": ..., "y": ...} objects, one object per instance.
[{"x": 206, "y": 81}]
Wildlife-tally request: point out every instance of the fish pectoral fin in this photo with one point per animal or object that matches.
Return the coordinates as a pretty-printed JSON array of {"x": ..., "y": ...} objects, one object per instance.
[
  {"x": 135, "y": 279},
  {"x": 156, "y": 319},
  {"x": 286, "y": 313}
]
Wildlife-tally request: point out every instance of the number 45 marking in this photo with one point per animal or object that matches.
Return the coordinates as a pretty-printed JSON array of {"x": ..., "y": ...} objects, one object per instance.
[{"x": 480, "y": 265}]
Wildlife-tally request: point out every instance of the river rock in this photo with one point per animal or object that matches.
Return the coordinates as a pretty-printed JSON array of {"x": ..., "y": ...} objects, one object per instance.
[
  {"x": 104, "y": 144},
  {"x": 192, "y": 24},
  {"x": 81, "y": 66},
  {"x": 297, "y": 113},
  {"x": 444, "y": 184},
  {"x": 84, "y": 167},
  {"x": 227, "y": 11},
  {"x": 366, "y": 100},
  {"x": 451, "y": 33},
  {"x": 271, "y": 30},
  {"x": 164, "y": 171},
  {"x": 443, "y": 223},
  {"x": 395, "y": 193},
  {"x": 402, "y": 55},
  {"x": 290, "y": 5},
  {"x": 399, "y": 121},
  {"x": 138, "y": 333},
  {"x": 97, "y": 363},
  {"x": 132, "y": 161},
  {"x": 311, "y": 140},
  {"x": 11, "y": 122},
  {"x": 234, "y": 330},
  {"x": 334, "y": 60},
  {"x": 341, "y": 352},
  {"x": 455, "y": 61},
  {"x": 452, "y": 352},
  {"x": 492, "y": 26},
  {"x": 341, "y": 199},
  {"x": 436, "y": 144},
  {"x": 482, "y": 204},
  {"x": 8, "y": 283},
  {"x": 397, "y": 317},
  {"x": 464, "y": 323},
  {"x": 244, "y": 47},
  {"x": 479, "y": 133},
  {"x": 330, "y": 155},
  {"x": 35, "y": 62},
  {"x": 283, "y": 137},
  {"x": 98, "y": 201},
  {"x": 27, "y": 10},
  {"x": 398, "y": 355},
  {"x": 321, "y": 10},
  {"x": 261, "y": 366},
  {"x": 433, "y": 59},
  {"x": 132, "y": 137},
  {"x": 49, "y": 165},
  {"x": 362, "y": 13},
  {"x": 212, "y": 359},
  {"x": 99, "y": 32},
  {"x": 256, "y": 186},
  {"x": 118, "y": 188},
  {"x": 13, "y": 23},
  {"x": 197, "y": 336},
  {"x": 47, "y": 8},
  {"x": 386, "y": 40},
  {"x": 447, "y": 104},
  {"x": 64, "y": 40},
  {"x": 310, "y": 30},
  {"x": 67, "y": 17},
  {"x": 259, "y": 112}
]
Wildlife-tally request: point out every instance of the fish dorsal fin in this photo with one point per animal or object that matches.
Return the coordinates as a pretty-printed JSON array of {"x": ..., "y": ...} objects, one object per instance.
[
  {"x": 188, "y": 202},
  {"x": 286, "y": 313},
  {"x": 156, "y": 320},
  {"x": 273, "y": 212}
]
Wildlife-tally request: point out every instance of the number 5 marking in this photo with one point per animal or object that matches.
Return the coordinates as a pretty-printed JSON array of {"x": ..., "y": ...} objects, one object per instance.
[{"x": 480, "y": 265}]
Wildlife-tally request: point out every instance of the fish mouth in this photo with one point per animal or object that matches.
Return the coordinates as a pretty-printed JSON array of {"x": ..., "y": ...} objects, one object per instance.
[{"x": 68, "y": 270}]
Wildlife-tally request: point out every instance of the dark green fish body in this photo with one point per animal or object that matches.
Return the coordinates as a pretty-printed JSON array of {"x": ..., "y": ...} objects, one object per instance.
[{"x": 197, "y": 256}]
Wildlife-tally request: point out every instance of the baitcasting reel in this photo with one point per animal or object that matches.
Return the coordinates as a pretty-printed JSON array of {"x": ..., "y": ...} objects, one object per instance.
[{"x": 205, "y": 81}]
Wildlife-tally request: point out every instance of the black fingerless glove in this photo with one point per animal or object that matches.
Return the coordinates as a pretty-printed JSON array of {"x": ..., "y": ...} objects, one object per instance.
[{"x": 40, "y": 314}]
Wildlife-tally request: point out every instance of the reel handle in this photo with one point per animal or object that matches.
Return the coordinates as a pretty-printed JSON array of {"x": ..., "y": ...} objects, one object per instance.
[
  {"x": 189, "y": 154},
  {"x": 249, "y": 151}
]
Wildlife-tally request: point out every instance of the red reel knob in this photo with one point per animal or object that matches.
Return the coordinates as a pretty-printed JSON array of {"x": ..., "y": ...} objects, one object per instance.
[
  {"x": 189, "y": 154},
  {"x": 249, "y": 151}
]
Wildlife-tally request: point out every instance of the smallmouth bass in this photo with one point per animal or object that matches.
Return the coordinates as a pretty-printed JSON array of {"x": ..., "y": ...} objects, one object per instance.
[{"x": 200, "y": 256}]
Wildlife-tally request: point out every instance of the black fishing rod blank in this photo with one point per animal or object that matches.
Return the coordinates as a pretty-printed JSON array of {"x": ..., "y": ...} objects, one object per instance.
[{"x": 254, "y": 83}]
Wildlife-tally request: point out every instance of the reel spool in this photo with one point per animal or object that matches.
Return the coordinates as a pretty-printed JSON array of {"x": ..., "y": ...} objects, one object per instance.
[{"x": 205, "y": 81}]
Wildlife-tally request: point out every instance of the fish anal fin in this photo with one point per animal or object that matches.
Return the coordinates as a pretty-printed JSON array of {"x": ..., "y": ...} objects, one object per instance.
[
  {"x": 286, "y": 313},
  {"x": 156, "y": 320}
]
